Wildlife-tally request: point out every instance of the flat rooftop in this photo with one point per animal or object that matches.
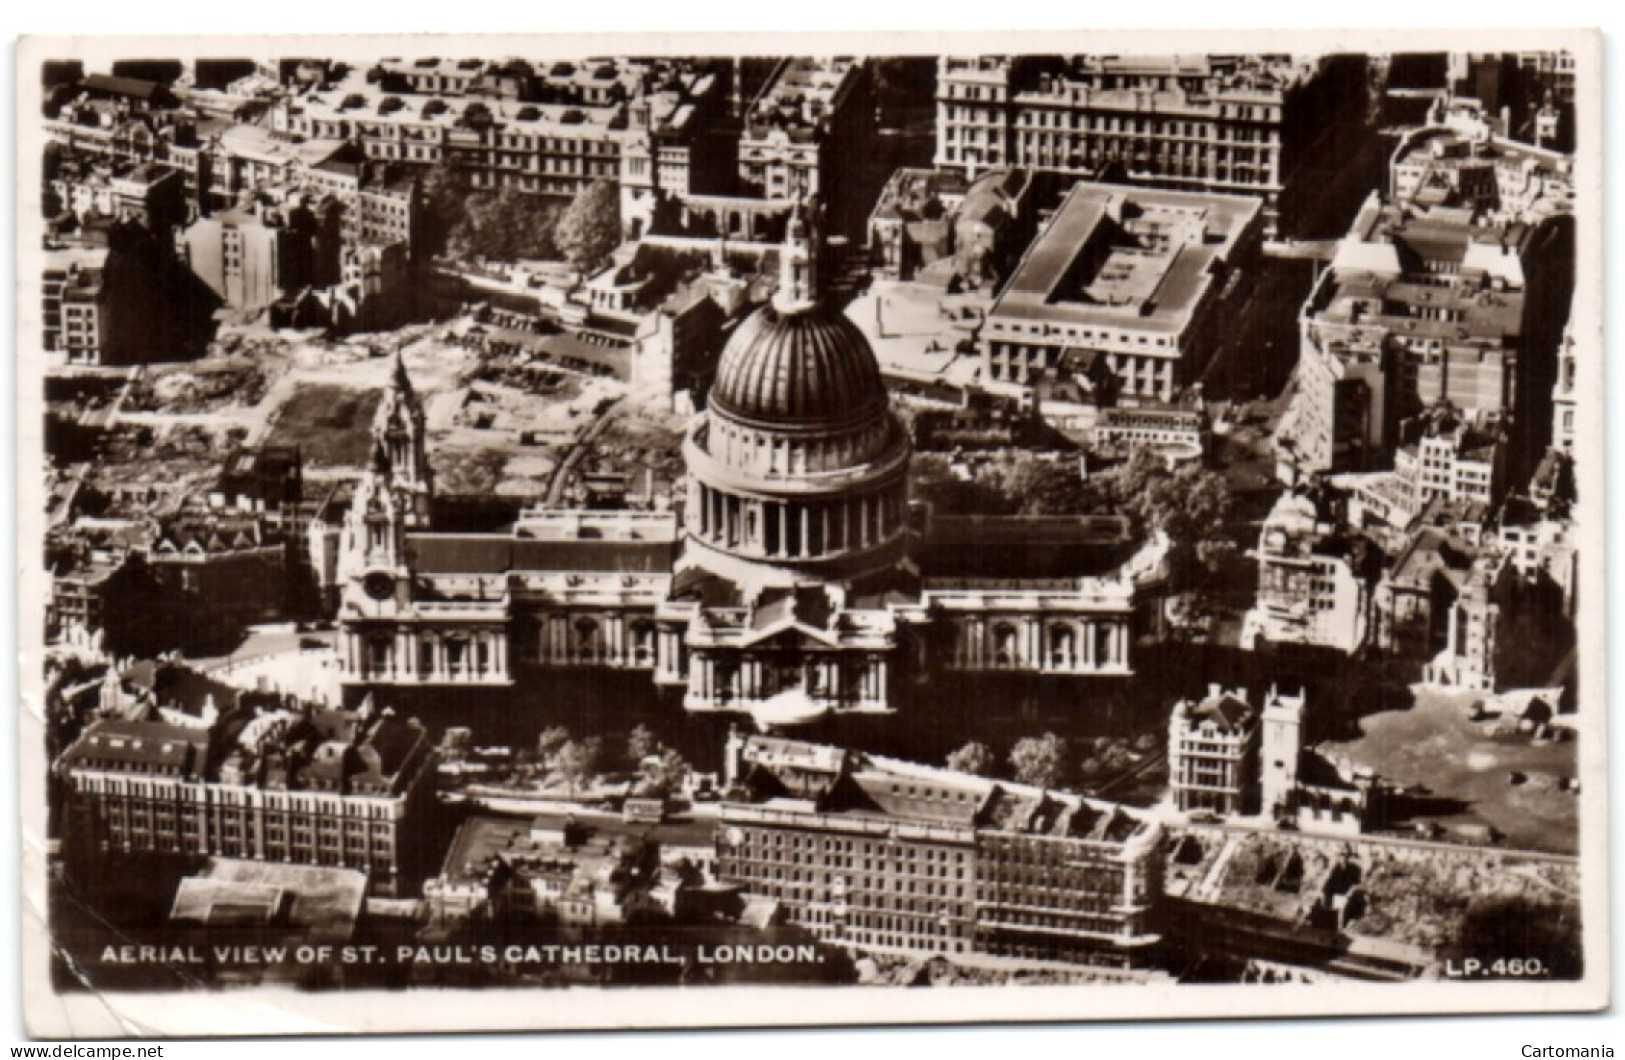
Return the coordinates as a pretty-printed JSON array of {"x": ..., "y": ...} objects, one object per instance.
[
  {"x": 1126, "y": 256},
  {"x": 500, "y": 553},
  {"x": 1420, "y": 310}
]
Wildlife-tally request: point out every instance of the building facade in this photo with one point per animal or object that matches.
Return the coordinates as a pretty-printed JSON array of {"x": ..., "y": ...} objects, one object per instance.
[
  {"x": 1565, "y": 393},
  {"x": 1309, "y": 590},
  {"x": 886, "y": 855},
  {"x": 267, "y": 780},
  {"x": 74, "y": 304},
  {"x": 812, "y": 116},
  {"x": 1213, "y": 751},
  {"x": 1453, "y": 461},
  {"x": 1236, "y": 124}
]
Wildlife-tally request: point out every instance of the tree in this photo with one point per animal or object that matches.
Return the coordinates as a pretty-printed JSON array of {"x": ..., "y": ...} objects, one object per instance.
[
  {"x": 1049, "y": 488},
  {"x": 640, "y": 744},
  {"x": 477, "y": 115},
  {"x": 501, "y": 225},
  {"x": 577, "y": 761},
  {"x": 666, "y": 775},
  {"x": 590, "y": 227},
  {"x": 548, "y": 743},
  {"x": 1039, "y": 760},
  {"x": 975, "y": 757},
  {"x": 444, "y": 192}
]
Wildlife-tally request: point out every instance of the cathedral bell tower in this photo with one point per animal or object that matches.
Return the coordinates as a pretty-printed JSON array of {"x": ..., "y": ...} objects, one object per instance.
[
  {"x": 392, "y": 498},
  {"x": 398, "y": 429},
  {"x": 372, "y": 554}
]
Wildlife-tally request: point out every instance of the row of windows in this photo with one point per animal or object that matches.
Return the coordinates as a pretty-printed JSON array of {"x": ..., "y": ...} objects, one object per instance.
[
  {"x": 166, "y": 817},
  {"x": 165, "y": 836},
  {"x": 271, "y": 805},
  {"x": 775, "y": 839},
  {"x": 922, "y": 879}
]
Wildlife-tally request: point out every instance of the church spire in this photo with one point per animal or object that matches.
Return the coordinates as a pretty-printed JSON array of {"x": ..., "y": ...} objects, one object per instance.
[{"x": 403, "y": 382}]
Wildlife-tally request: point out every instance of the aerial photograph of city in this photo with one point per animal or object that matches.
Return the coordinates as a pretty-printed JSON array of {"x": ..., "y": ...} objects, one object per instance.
[{"x": 605, "y": 523}]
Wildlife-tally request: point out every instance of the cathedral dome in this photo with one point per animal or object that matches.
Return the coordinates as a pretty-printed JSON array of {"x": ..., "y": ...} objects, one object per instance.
[{"x": 809, "y": 368}]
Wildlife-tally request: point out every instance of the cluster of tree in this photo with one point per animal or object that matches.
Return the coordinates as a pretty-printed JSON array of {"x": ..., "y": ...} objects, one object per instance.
[
  {"x": 1190, "y": 503},
  {"x": 1048, "y": 761},
  {"x": 575, "y": 764},
  {"x": 501, "y": 225},
  {"x": 509, "y": 224},
  {"x": 589, "y": 230}
]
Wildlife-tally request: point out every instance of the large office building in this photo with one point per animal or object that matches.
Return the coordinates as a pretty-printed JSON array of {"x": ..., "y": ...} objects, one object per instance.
[
  {"x": 567, "y": 132},
  {"x": 1236, "y": 124},
  {"x": 886, "y": 855},
  {"x": 267, "y": 780},
  {"x": 1414, "y": 311},
  {"x": 1129, "y": 276},
  {"x": 797, "y": 580}
]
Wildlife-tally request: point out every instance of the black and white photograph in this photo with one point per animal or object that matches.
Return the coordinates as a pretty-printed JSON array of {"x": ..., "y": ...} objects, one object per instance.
[{"x": 518, "y": 535}]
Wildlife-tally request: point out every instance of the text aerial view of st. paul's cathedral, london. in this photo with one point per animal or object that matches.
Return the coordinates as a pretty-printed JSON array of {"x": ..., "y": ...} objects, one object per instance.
[{"x": 540, "y": 537}]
